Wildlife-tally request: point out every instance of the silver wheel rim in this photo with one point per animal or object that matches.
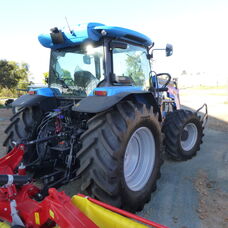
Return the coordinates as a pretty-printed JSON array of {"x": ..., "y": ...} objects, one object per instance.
[
  {"x": 139, "y": 158},
  {"x": 192, "y": 133}
]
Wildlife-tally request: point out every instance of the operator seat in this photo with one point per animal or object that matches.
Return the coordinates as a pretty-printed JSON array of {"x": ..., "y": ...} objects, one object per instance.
[{"x": 83, "y": 78}]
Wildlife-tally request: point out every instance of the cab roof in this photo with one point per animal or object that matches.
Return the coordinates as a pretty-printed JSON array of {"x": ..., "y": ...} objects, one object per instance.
[{"x": 81, "y": 33}]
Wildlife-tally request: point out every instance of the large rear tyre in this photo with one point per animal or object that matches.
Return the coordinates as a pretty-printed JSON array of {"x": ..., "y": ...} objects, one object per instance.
[
  {"x": 120, "y": 157},
  {"x": 23, "y": 126},
  {"x": 183, "y": 134}
]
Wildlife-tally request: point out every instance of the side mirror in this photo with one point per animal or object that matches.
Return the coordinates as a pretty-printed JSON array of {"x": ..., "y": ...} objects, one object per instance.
[
  {"x": 169, "y": 49},
  {"x": 86, "y": 59}
]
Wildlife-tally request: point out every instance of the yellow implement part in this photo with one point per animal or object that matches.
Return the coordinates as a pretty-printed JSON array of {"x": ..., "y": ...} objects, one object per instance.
[
  {"x": 102, "y": 217},
  {"x": 4, "y": 225},
  {"x": 37, "y": 218}
]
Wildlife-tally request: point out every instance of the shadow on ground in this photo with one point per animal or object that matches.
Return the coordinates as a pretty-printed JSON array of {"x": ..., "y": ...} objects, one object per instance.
[{"x": 213, "y": 122}]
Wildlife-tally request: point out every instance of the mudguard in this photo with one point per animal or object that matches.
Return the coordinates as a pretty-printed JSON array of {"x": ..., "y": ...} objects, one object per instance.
[
  {"x": 44, "y": 102},
  {"x": 95, "y": 104}
]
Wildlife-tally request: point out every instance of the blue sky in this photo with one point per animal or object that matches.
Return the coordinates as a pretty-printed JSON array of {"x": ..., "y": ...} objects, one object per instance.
[{"x": 196, "y": 28}]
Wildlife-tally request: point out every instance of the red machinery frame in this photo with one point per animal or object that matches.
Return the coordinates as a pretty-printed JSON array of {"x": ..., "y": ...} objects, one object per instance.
[{"x": 56, "y": 208}]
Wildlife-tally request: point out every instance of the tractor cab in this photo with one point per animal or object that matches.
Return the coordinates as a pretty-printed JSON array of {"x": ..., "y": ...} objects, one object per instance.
[{"x": 94, "y": 55}]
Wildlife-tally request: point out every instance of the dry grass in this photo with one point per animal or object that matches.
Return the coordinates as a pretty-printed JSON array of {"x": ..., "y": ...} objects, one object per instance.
[{"x": 202, "y": 87}]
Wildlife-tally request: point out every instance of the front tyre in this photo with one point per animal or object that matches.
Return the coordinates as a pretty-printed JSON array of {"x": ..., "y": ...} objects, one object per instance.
[
  {"x": 183, "y": 131},
  {"x": 120, "y": 156}
]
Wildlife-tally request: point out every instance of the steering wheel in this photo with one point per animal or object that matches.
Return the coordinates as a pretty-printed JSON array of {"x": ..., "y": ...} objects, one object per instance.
[{"x": 168, "y": 80}]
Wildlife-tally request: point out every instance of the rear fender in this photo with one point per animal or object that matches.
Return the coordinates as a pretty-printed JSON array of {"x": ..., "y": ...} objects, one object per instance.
[
  {"x": 96, "y": 104},
  {"x": 45, "y": 103}
]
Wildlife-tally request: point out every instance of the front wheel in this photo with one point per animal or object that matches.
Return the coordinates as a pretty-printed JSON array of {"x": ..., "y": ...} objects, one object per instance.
[
  {"x": 183, "y": 131},
  {"x": 120, "y": 157}
]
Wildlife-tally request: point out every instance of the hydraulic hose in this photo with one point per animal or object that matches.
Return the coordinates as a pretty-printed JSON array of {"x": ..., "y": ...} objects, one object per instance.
[{"x": 13, "y": 179}]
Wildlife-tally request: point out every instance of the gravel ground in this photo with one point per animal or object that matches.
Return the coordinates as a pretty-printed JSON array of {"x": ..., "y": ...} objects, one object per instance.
[{"x": 194, "y": 193}]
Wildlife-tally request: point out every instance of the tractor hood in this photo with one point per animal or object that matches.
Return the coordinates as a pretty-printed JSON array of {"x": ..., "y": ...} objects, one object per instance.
[{"x": 90, "y": 32}]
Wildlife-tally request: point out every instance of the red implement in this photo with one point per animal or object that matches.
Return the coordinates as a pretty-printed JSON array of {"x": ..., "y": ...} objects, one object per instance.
[{"x": 19, "y": 207}]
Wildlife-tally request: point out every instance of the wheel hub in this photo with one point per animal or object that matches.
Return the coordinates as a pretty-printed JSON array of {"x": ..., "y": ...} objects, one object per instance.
[
  {"x": 184, "y": 135},
  {"x": 189, "y": 136}
]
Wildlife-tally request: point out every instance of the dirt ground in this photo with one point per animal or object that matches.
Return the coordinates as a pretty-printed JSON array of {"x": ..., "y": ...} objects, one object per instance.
[
  {"x": 194, "y": 193},
  {"x": 191, "y": 194}
]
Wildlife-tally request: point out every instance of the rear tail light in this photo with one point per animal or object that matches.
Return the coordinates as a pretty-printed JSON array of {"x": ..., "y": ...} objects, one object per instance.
[
  {"x": 100, "y": 93},
  {"x": 31, "y": 92}
]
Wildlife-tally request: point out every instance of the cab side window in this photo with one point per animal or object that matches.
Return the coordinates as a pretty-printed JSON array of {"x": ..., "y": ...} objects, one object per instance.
[{"x": 133, "y": 63}]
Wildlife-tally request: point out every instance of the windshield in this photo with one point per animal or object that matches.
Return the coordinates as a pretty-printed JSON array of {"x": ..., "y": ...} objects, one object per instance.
[{"x": 77, "y": 70}]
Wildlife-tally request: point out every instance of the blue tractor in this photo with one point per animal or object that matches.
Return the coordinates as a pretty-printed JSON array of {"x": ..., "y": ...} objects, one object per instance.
[{"x": 102, "y": 118}]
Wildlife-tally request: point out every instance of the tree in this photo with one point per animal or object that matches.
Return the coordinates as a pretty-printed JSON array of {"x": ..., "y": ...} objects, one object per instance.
[
  {"x": 46, "y": 75},
  {"x": 134, "y": 69},
  {"x": 67, "y": 78},
  {"x": 13, "y": 74},
  {"x": 184, "y": 72}
]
